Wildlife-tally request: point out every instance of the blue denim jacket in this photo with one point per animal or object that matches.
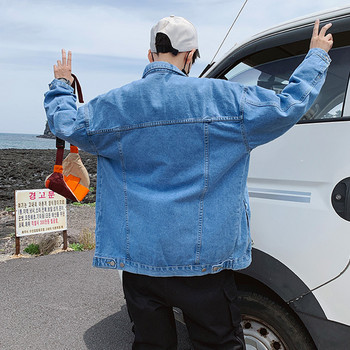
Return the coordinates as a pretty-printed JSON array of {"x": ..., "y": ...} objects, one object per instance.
[{"x": 173, "y": 156}]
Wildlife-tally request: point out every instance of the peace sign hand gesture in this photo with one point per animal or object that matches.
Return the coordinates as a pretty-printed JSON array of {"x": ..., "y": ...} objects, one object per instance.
[
  {"x": 320, "y": 39},
  {"x": 64, "y": 69}
]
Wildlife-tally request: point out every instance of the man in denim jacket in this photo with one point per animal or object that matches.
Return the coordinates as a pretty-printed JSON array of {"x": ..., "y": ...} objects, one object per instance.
[{"x": 172, "y": 207}]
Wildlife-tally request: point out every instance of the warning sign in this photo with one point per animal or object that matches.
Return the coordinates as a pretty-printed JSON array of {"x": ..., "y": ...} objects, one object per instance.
[{"x": 39, "y": 211}]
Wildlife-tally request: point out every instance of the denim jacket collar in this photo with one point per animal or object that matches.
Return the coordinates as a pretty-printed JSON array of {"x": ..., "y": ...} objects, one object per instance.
[{"x": 161, "y": 66}]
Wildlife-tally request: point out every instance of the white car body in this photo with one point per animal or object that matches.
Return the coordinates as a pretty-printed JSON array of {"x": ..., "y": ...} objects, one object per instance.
[{"x": 302, "y": 243}]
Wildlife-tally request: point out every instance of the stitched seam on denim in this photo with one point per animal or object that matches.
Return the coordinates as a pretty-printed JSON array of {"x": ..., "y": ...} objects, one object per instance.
[
  {"x": 98, "y": 199},
  {"x": 161, "y": 68},
  {"x": 165, "y": 123},
  {"x": 242, "y": 186},
  {"x": 205, "y": 189},
  {"x": 244, "y": 136},
  {"x": 243, "y": 129},
  {"x": 87, "y": 126},
  {"x": 62, "y": 84},
  {"x": 302, "y": 98},
  {"x": 324, "y": 58},
  {"x": 224, "y": 264},
  {"x": 120, "y": 149}
]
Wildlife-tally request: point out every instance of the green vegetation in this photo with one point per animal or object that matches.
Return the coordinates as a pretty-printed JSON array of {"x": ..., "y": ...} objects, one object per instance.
[
  {"x": 33, "y": 249},
  {"x": 76, "y": 247},
  {"x": 9, "y": 209},
  {"x": 87, "y": 239},
  {"x": 79, "y": 204}
]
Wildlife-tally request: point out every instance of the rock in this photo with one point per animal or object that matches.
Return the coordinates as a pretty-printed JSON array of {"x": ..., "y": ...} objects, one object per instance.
[
  {"x": 47, "y": 133},
  {"x": 7, "y": 223},
  {"x": 28, "y": 168}
]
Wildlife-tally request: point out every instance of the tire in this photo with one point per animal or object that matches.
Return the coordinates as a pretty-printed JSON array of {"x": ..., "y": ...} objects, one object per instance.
[{"x": 268, "y": 325}]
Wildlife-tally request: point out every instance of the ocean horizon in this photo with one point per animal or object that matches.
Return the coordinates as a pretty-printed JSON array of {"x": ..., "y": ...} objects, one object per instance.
[{"x": 25, "y": 141}]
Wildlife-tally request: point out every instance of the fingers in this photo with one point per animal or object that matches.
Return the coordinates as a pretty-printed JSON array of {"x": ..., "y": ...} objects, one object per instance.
[
  {"x": 324, "y": 29},
  {"x": 63, "y": 69},
  {"x": 316, "y": 28},
  {"x": 69, "y": 62},
  {"x": 64, "y": 57}
]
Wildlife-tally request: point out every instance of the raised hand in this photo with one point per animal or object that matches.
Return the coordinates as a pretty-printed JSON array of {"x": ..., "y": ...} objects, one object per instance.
[
  {"x": 320, "y": 39},
  {"x": 63, "y": 69}
]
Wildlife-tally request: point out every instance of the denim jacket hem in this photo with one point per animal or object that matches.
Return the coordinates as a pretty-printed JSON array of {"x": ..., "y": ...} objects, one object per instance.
[{"x": 169, "y": 271}]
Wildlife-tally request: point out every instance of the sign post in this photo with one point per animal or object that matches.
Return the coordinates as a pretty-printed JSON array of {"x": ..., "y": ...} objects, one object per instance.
[{"x": 40, "y": 211}]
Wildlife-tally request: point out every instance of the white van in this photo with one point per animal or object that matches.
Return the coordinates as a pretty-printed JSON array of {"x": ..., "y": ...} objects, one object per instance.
[{"x": 296, "y": 293}]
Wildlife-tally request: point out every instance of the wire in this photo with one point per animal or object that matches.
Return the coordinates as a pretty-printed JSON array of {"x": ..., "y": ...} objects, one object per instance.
[{"x": 235, "y": 20}]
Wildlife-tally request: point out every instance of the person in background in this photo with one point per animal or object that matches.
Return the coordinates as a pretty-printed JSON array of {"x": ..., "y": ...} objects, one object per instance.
[{"x": 172, "y": 205}]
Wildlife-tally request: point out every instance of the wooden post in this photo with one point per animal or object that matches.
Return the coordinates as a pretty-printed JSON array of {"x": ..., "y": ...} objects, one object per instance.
[
  {"x": 18, "y": 246},
  {"x": 65, "y": 240},
  {"x": 18, "y": 243}
]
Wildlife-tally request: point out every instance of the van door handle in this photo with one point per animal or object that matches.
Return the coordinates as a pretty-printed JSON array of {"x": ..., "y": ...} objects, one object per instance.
[{"x": 341, "y": 198}]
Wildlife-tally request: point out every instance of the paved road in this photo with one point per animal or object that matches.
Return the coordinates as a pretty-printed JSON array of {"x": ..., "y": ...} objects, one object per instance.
[{"x": 60, "y": 302}]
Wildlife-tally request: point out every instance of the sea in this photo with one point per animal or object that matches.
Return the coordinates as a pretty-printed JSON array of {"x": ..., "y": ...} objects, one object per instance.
[{"x": 26, "y": 141}]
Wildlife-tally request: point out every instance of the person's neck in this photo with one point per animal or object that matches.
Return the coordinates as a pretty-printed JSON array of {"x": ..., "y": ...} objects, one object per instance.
[{"x": 177, "y": 61}]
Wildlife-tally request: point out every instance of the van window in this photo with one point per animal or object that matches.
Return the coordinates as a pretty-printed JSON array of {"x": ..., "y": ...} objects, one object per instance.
[{"x": 274, "y": 75}]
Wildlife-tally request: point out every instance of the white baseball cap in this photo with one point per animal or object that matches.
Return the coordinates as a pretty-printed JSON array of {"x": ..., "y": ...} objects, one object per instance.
[{"x": 182, "y": 33}]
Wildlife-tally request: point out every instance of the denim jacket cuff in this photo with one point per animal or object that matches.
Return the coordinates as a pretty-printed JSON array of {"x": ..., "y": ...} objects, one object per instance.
[
  {"x": 321, "y": 53},
  {"x": 55, "y": 83}
]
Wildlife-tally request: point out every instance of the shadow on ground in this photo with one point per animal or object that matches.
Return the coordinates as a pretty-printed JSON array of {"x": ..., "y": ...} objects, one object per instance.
[{"x": 114, "y": 332}]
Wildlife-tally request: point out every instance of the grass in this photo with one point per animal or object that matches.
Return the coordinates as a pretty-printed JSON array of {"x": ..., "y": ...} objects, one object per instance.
[
  {"x": 76, "y": 247},
  {"x": 79, "y": 204},
  {"x": 87, "y": 239},
  {"x": 33, "y": 249}
]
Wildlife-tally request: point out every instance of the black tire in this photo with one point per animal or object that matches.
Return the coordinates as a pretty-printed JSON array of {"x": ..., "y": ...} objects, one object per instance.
[{"x": 268, "y": 325}]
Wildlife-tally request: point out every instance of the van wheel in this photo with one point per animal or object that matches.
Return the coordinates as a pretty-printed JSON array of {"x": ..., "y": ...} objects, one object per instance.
[{"x": 268, "y": 325}]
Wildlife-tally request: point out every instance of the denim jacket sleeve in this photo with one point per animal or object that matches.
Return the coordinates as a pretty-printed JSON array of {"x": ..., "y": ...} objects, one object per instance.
[
  {"x": 268, "y": 115},
  {"x": 65, "y": 120}
]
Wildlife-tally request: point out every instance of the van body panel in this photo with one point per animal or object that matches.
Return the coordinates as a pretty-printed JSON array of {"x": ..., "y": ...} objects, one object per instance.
[
  {"x": 301, "y": 220},
  {"x": 334, "y": 298},
  {"x": 301, "y": 241}
]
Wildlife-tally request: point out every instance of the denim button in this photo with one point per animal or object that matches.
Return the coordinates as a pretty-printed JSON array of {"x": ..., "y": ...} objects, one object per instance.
[
  {"x": 215, "y": 268},
  {"x": 121, "y": 264},
  {"x": 112, "y": 263},
  {"x": 203, "y": 270}
]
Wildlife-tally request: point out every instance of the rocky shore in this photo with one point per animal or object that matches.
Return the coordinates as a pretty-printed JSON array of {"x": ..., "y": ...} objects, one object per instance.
[{"x": 24, "y": 169}]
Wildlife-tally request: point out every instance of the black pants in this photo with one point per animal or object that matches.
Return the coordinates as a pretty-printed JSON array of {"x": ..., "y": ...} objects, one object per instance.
[{"x": 208, "y": 304}]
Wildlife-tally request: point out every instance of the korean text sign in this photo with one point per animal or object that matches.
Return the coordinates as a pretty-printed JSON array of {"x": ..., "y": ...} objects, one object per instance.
[{"x": 39, "y": 211}]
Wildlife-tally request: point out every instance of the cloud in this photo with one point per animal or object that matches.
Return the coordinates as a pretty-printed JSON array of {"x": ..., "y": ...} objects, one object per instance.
[
  {"x": 104, "y": 30},
  {"x": 109, "y": 40}
]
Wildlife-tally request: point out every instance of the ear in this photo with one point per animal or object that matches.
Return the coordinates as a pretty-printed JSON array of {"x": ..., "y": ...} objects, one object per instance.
[
  {"x": 189, "y": 57},
  {"x": 150, "y": 58}
]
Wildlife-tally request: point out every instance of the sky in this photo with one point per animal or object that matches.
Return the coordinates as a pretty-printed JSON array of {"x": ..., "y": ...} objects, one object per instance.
[{"x": 109, "y": 40}]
